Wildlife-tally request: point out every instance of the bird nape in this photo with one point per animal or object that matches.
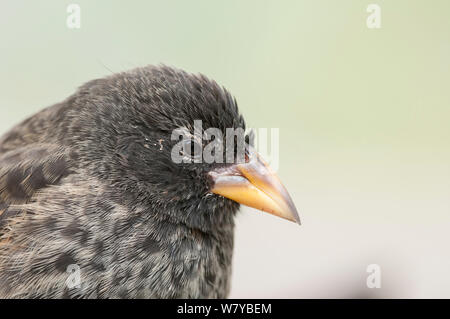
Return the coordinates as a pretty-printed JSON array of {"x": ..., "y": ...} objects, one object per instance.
[{"x": 93, "y": 204}]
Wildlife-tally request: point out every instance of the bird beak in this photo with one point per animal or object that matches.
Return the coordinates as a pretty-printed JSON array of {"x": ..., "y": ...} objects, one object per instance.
[{"x": 254, "y": 184}]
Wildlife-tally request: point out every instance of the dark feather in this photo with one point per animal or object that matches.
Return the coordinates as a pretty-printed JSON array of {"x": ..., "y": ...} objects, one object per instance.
[{"x": 89, "y": 181}]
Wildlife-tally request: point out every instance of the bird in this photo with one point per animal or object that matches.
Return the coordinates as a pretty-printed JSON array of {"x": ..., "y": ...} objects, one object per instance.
[{"x": 89, "y": 192}]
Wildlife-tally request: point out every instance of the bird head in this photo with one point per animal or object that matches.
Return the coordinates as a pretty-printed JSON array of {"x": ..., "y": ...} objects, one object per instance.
[{"x": 139, "y": 132}]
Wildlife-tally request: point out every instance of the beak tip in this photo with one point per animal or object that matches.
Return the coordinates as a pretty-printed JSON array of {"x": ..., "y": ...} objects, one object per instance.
[
  {"x": 292, "y": 212},
  {"x": 297, "y": 220}
]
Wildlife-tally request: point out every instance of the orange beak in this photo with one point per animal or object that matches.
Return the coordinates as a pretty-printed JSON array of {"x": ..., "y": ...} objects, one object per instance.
[{"x": 255, "y": 185}]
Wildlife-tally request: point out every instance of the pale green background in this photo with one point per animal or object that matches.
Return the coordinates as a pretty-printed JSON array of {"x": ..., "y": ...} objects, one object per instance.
[{"x": 363, "y": 117}]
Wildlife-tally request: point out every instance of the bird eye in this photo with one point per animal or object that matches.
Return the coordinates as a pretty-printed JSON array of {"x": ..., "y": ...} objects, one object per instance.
[{"x": 192, "y": 149}]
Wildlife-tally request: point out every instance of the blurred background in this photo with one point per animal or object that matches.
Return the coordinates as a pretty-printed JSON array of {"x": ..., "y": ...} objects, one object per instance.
[{"x": 363, "y": 116}]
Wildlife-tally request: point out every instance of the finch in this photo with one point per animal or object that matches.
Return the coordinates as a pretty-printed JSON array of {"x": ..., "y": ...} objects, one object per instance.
[{"x": 93, "y": 204}]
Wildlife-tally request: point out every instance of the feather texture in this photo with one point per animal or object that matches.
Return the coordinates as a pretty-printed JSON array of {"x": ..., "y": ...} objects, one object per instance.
[{"x": 89, "y": 182}]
